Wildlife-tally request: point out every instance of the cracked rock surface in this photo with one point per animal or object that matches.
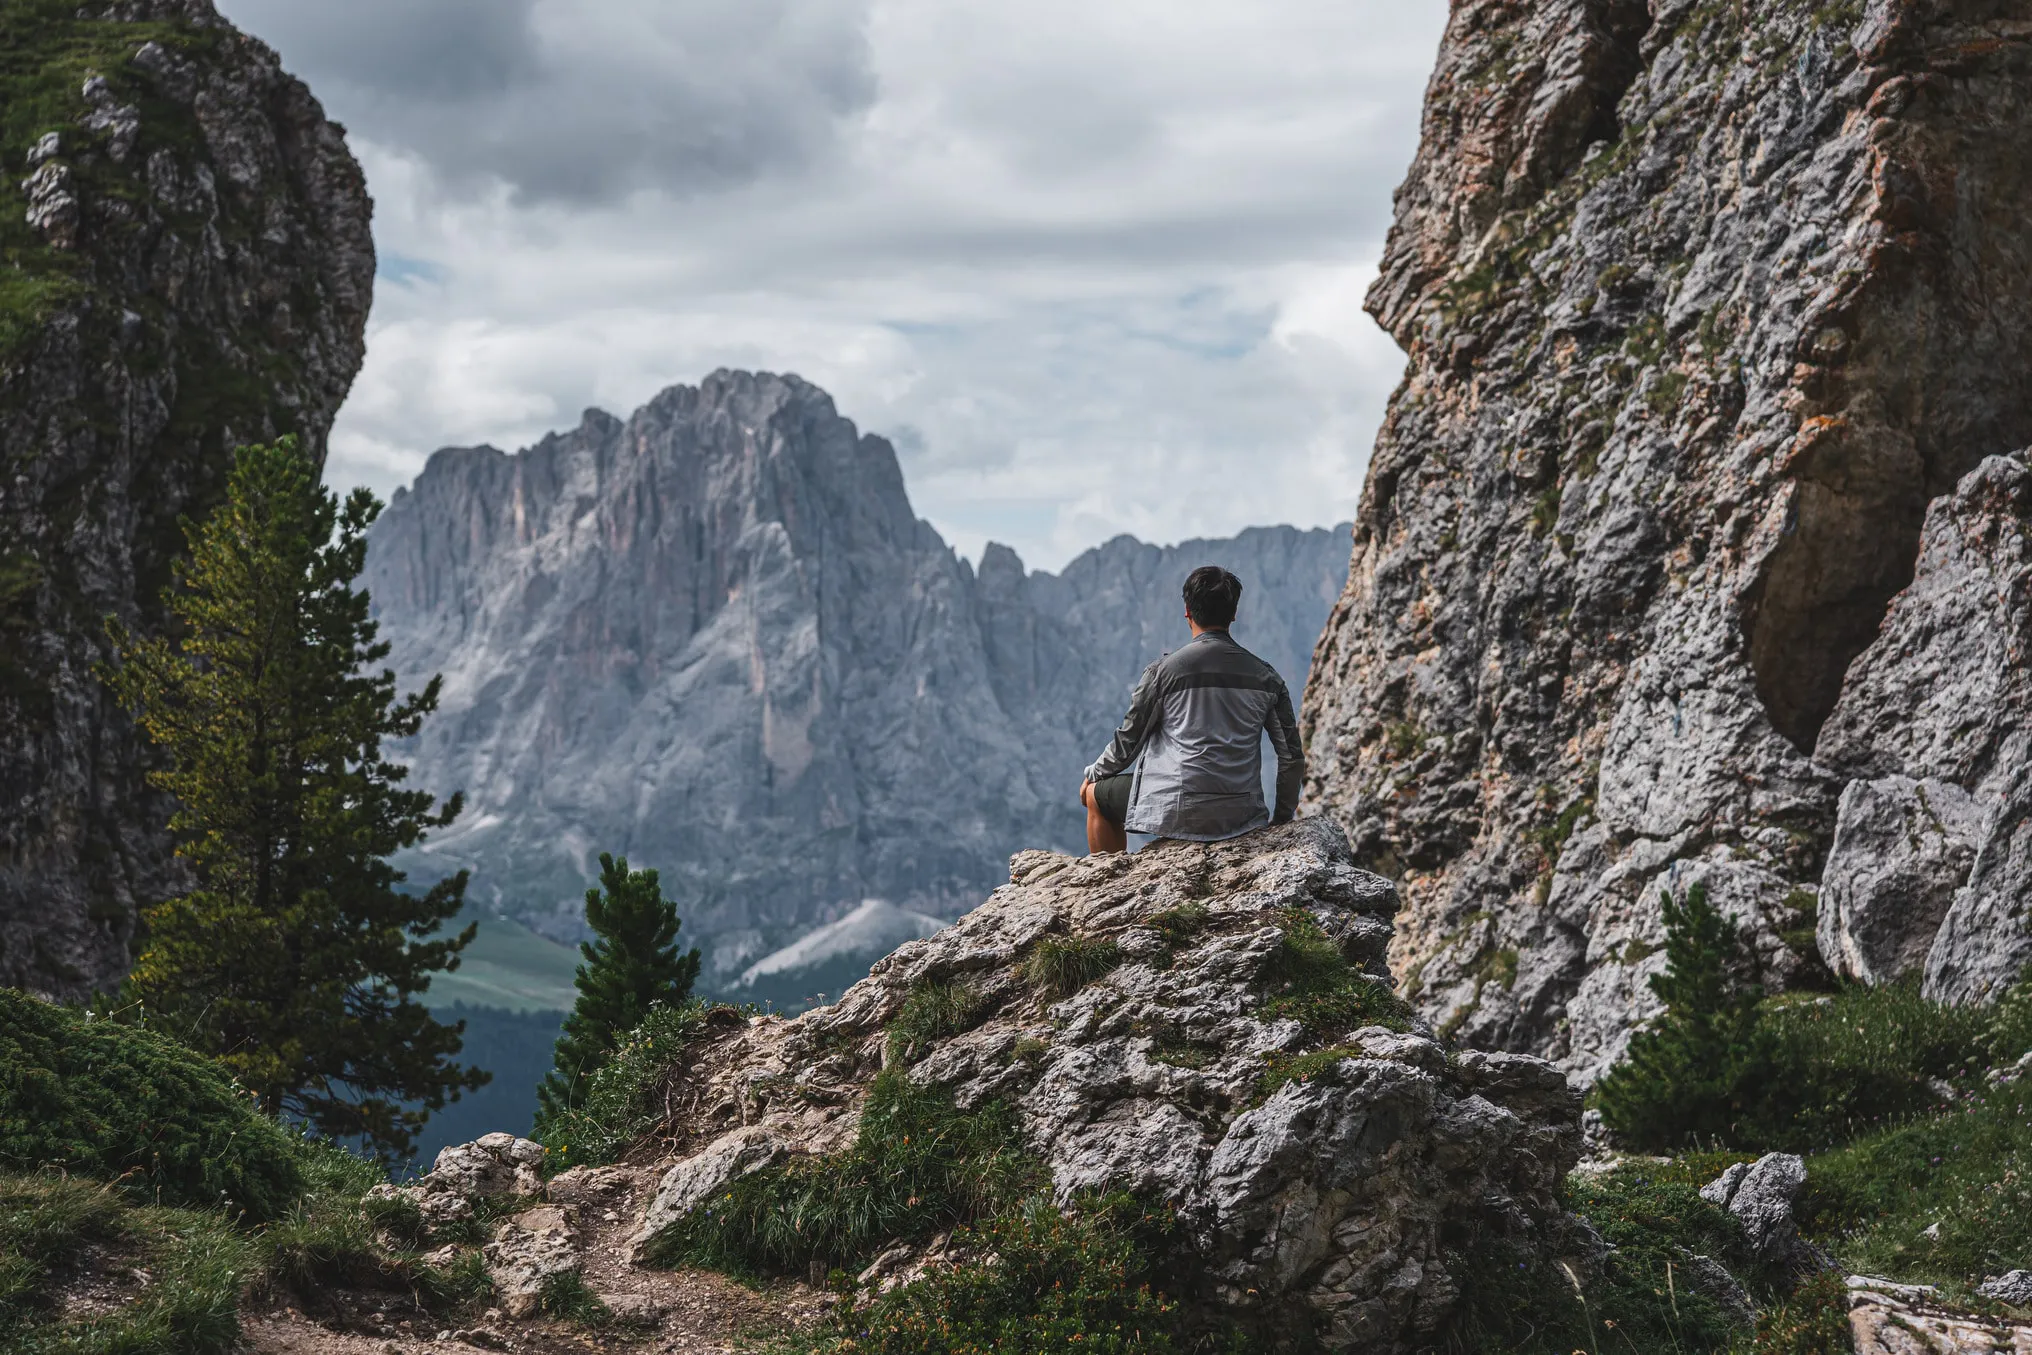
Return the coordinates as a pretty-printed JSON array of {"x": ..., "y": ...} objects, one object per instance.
[
  {"x": 1709, "y": 313},
  {"x": 1342, "y": 1193},
  {"x": 193, "y": 272}
]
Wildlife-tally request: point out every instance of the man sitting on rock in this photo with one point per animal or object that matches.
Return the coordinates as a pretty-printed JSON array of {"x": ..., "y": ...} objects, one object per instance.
[{"x": 1196, "y": 721}]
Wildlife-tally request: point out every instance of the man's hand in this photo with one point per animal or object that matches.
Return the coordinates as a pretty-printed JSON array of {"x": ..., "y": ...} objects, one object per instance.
[{"x": 1087, "y": 794}]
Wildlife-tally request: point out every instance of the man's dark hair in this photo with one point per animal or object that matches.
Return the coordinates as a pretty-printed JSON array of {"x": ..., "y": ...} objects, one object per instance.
[{"x": 1211, "y": 595}]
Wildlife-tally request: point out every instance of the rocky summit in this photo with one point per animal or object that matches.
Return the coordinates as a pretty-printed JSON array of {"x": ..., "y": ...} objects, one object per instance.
[
  {"x": 1693, "y": 550},
  {"x": 715, "y": 638},
  {"x": 189, "y": 267},
  {"x": 1341, "y": 1194}
]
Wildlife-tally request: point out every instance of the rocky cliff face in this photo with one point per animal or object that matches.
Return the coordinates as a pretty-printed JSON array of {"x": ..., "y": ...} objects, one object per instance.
[
  {"x": 190, "y": 268},
  {"x": 716, "y": 639},
  {"x": 1705, "y": 305}
]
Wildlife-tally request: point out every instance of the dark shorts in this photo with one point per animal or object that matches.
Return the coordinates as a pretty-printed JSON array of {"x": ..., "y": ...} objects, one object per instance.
[{"x": 1111, "y": 795}]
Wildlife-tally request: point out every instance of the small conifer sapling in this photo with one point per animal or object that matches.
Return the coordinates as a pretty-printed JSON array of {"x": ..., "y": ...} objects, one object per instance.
[
  {"x": 1687, "y": 1075},
  {"x": 632, "y": 962}
]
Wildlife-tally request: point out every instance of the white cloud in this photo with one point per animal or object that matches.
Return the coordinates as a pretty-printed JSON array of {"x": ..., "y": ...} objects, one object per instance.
[{"x": 1093, "y": 268}]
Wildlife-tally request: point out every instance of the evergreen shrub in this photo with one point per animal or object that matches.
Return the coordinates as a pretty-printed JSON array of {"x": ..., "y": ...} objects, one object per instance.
[
  {"x": 100, "y": 1099},
  {"x": 631, "y": 964},
  {"x": 1724, "y": 1066}
]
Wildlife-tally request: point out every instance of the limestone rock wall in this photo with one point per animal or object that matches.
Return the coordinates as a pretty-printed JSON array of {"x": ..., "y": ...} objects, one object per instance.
[
  {"x": 190, "y": 268},
  {"x": 1704, "y": 304}
]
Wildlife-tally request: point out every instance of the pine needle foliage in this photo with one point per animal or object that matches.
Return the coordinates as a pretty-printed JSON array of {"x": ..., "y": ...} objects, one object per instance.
[
  {"x": 1686, "y": 1075},
  {"x": 98, "y": 1099},
  {"x": 631, "y": 965},
  {"x": 297, "y": 958}
]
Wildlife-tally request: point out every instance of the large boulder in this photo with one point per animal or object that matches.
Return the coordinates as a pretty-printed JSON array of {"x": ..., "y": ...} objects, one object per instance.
[
  {"x": 1341, "y": 1194},
  {"x": 1901, "y": 850},
  {"x": 1761, "y": 1195},
  {"x": 1985, "y": 941},
  {"x": 1943, "y": 698}
]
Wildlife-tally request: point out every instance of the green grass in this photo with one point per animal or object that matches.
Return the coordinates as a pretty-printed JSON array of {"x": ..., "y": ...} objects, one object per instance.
[
  {"x": 1814, "y": 1320},
  {"x": 1968, "y": 1170},
  {"x": 1643, "y": 1297},
  {"x": 1308, "y": 980},
  {"x": 512, "y": 967},
  {"x": 565, "y": 1295},
  {"x": 1059, "y": 966},
  {"x": 197, "y": 1262},
  {"x": 934, "y": 1010},
  {"x": 620, "y": 1103},
  {"x": 202, "y": 1262},
  {"x": 917, "y": 1166},
  {"x": 1046, "y": 1282},
  {"x": 1178, "y": 926}
]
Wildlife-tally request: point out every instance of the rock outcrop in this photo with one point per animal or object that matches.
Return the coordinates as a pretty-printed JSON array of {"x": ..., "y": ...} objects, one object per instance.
[
  {"x": 190, "y": 268},
  {"x": 1342, "y": 1194},
  {"x": 1705, "y": 305},
  {"x": 1761, "y": 1194},
  {"x": 1945, "y": 695},
  {"x": 716, "y": 639}
]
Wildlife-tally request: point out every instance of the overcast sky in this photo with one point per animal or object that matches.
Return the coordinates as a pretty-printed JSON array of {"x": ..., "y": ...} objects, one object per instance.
[{"x": 1093, "y": 266}]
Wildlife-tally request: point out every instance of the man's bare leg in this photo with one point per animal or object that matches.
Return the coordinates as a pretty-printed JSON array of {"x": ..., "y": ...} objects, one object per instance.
[{"x": 1103, "y": 835}]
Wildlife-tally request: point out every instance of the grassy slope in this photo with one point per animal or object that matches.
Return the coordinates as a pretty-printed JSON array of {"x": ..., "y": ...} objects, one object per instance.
[{"x": 511, "y": 967}]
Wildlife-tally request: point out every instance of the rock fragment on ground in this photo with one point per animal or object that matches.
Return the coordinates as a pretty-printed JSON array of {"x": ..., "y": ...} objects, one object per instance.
[
  {"x": 2013, "y": 1287},
  {"x": 1887, "y": 1318},
  {"x": 1761, "y": 1194},
  {"x": 528, "y": 1251}
]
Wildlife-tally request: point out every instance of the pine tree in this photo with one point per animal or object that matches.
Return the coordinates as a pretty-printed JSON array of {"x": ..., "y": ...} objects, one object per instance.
[
  {"x": 1689, "y": 1075},
  {"x": 633, "y": 962},
  {"x": 296, "y": 957}
]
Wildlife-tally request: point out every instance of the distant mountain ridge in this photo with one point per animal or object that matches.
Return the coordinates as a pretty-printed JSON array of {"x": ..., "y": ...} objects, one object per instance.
[{"x": 716, "y": 639}]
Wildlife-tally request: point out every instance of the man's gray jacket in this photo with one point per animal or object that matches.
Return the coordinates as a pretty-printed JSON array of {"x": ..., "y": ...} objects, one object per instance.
[{"x": 1197, "y": 720}]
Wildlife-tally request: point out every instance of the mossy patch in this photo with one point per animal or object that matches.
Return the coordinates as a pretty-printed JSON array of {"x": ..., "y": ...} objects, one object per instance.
[
  {"x": 101, "y": 1099},
  {"x": 1309, "y": 981}
]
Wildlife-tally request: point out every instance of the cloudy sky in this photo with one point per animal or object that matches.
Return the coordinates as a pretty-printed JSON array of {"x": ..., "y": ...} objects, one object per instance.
[{"x": 1093, "y": 267}]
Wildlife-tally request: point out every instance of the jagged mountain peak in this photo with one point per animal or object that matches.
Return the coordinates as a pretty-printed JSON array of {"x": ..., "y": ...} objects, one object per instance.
[{"x": 715, "y": 637}]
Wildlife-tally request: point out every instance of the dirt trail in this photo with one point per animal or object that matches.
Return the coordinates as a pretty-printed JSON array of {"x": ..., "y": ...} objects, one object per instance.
[{"x": 655, "y": 1312}]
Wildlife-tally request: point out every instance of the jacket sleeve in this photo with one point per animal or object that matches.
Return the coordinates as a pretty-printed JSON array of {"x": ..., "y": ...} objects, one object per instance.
[
  {"x": 1282, "y": 726},
  {"x": 1123, "y": 749}
]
